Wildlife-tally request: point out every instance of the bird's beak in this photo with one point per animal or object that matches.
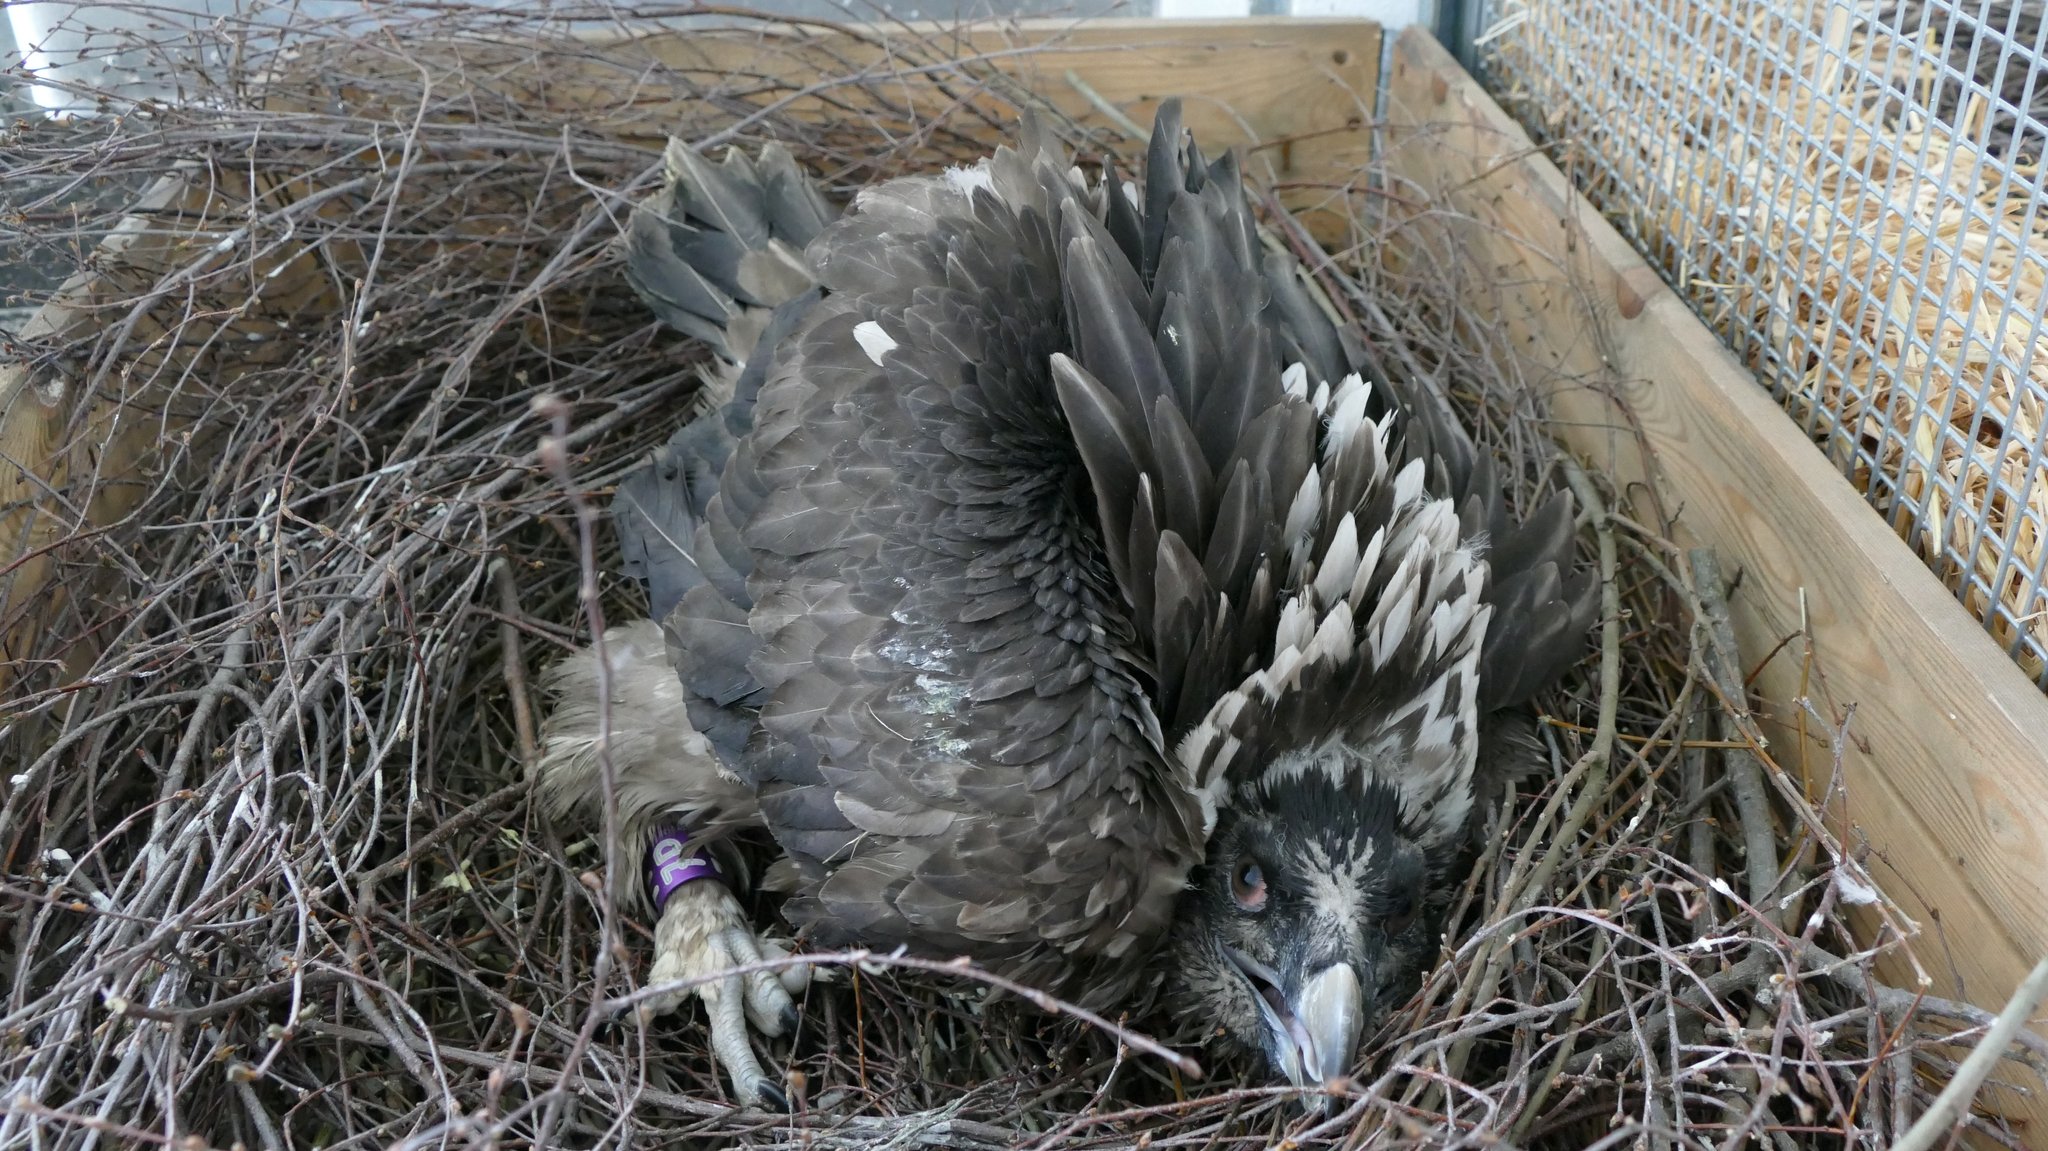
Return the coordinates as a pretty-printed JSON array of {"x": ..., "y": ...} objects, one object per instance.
[{"x": 1314, "y": 1026}]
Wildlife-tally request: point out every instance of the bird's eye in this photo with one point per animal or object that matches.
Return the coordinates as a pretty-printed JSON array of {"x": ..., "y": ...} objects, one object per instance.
[
  {"x": 1248, "y": 885},
  {"x": 1400, "y": 915}
]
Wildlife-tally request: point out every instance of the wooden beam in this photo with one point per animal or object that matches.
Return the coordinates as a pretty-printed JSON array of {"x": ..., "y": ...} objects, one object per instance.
[
  {"x": 1296, "y": 94},
  {"x": 156, "y": 321},
  {"x": 1948, "y": 769}
]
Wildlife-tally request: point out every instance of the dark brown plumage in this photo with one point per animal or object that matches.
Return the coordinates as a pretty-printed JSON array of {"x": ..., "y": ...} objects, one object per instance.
[{"x": 1053, "y": 531}]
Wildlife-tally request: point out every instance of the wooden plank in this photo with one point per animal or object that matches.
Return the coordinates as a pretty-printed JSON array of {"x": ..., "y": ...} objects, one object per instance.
[
  {"x": 81, "y": 434},
  {"x": 1297, "y": 95},
  {"x": 1948, "y": 772}
]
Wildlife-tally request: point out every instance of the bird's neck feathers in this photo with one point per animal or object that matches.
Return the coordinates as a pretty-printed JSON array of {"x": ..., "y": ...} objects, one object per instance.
[
  {"x": 1431, "y": 785},
  {"x": 1373, "y": 668}
]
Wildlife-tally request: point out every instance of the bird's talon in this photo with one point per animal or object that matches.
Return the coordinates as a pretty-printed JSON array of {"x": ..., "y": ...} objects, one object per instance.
[
  {"x": 769, "y": 1097},
  {"x": 703, "y": 935}
]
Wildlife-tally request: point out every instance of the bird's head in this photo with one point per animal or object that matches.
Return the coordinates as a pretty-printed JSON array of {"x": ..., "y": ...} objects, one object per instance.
[{"x": 1312, "y": 915}]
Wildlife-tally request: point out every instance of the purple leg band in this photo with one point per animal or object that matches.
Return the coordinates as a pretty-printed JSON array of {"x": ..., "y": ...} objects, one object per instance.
[{"x": 671, "y": 863}]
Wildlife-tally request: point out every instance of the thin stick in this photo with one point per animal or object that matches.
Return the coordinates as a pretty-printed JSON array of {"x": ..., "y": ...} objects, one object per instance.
[
  {"x": 1953, "y": 1104},
  {"x": 1752, "y": 798},
  {"x": 1591, "y": 770},
  {"x": 1110, "y": 112},
  {"x": 858, "y": 958},
  {"x": 514, "y": 662}
]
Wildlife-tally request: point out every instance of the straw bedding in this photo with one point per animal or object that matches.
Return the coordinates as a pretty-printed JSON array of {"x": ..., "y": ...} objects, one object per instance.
[
  {"x": 272, "y": 877},
  {"x": 1861, "y": 227}
]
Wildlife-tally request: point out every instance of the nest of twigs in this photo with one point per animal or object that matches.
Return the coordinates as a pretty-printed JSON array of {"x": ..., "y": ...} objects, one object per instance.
[{"x": 287, "y": 559}]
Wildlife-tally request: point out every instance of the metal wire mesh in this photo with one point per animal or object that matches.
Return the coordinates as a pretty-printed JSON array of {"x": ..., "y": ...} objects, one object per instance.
[{"x": 1851, "y": 195}]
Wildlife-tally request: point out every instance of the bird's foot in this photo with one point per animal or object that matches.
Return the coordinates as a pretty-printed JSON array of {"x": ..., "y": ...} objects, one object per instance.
[{"x": 703, "y": 932}]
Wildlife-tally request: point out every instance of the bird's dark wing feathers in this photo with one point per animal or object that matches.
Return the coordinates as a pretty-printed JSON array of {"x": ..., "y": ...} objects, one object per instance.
[
  {"x": 712, "y": 253},
  {"x": 1324, "y": 582},
  {"x": 1015, "y": 549},
  {"x": 721, "y": 240},
  {"x": 954, "y": 741}
]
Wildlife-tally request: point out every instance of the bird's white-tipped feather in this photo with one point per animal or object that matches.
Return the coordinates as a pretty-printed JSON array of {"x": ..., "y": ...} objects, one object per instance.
[
  {"x": 1410, "y": 592},
  {"x": 1408, "y": 484},
  {"x": 1297, "y": 623},
  {"x": 1294, "y": 381},
  {"x": 1333, "y": 642},
  {"x": 1340, "y": 561},
  {"x": 1368, "y": 565},
  {"x": 1302, "y": 515},
  {"x": 1347, "y": 419}
]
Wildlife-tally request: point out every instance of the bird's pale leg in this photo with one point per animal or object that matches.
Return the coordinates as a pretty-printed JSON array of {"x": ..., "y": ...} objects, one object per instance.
[{"x": 703, "y": 932}]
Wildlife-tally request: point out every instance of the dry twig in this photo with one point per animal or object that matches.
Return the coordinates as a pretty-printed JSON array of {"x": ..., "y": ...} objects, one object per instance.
[{"x": 271, "y": 873}]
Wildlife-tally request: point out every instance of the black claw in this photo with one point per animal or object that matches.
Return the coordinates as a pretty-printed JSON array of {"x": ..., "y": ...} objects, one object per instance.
[
  {"x": 770, "y": 1095},
  {"x": 789, "y": 1020}
]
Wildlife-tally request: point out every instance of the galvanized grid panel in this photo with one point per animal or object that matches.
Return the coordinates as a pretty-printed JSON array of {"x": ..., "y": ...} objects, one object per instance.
[{"x": 1851, "y": 194}]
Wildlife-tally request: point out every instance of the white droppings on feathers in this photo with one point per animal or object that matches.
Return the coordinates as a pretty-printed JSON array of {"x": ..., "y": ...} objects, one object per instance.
[
  {"x": 1173, "y": 335},
  {"x": 941, "y": 696},
  {"x": 1294, "y": 381},
  {"x": 1340, "y": 561},
  {"x": 937, "y": 657},
  {"x": 965, "y": 180},
  {"x": 873, "y": 340}
]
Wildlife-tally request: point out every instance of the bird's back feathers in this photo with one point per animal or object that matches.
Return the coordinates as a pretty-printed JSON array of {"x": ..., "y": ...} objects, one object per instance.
[{"x": 1054, "y": 512}]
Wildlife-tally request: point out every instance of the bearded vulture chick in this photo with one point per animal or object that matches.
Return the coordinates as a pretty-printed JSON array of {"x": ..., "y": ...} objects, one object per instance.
[{"x": 1057, "y": 584}]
